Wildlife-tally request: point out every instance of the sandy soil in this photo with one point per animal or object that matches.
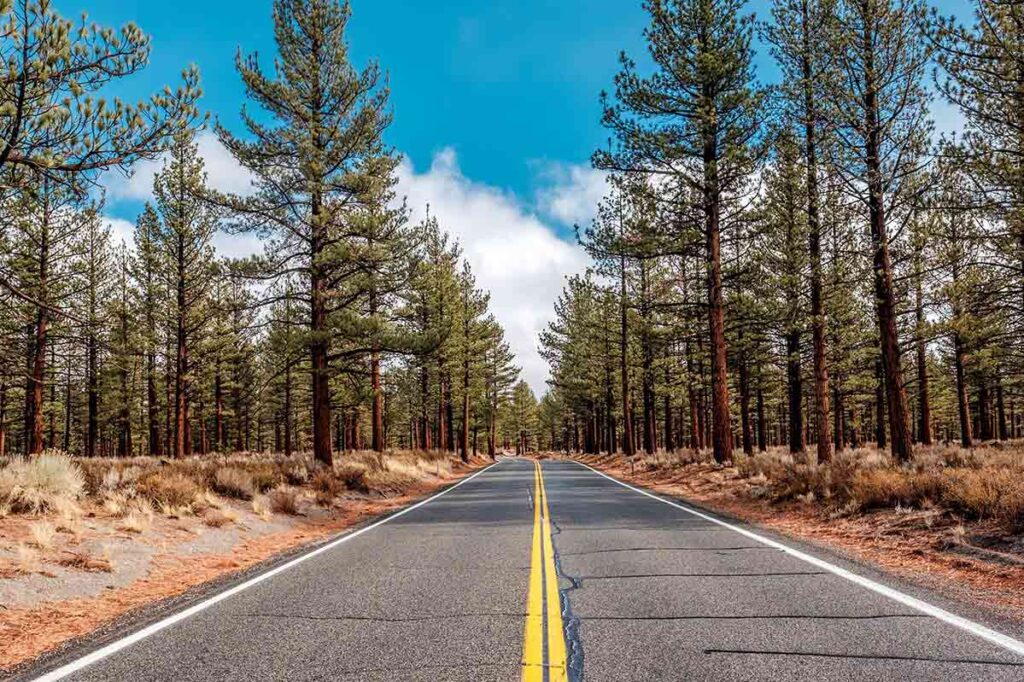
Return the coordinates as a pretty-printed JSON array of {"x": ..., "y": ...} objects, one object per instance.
[
  {"x": 975, "y": 563},
  {"x": 96, "y": 570}
]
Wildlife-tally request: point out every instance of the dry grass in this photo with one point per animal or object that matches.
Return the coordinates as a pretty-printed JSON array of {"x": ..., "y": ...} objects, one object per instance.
[
  {"x": 170, "y": 489},
  {"x": 986, "y": 483},
  {"x": 27, "y": 560},
  {"x": 285, "y": 500},
  {"x": 218, "y": 518},
  {"x": 42, "y": 534},
  {"x": 138, "y": 517},
  {"x": 234, "y": 482},
  {"x": 352, "y": 475},
  {"x": 261, "y": 507},
  {"x": 86, "y": 562},
  {"x": 36, "y": 484}
]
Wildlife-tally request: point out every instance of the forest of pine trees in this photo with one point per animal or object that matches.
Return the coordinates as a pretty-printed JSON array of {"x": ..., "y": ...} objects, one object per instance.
[
  {"x": 354, "y": 329},
  {"x": 807, "y": 265}
]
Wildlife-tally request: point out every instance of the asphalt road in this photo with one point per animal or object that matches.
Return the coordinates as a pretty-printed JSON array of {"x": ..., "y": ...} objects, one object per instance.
[{"x": 453, "y": 589}]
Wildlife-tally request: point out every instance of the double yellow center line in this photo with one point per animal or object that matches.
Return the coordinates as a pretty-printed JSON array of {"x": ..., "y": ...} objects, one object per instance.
[{"x": 544, "y": 655}]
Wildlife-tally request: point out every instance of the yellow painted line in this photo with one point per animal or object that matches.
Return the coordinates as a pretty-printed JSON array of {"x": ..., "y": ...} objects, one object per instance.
[
  {"x": 558, "y": 671},
  {"x": 543, "y": 591},
  {"x": 533, "y": 636}
]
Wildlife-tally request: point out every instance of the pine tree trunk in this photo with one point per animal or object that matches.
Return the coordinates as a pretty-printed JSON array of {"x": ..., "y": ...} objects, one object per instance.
[
  {"x": 38, "y": 379},
  {"x": 1000, "y": 408},
  {"x": 627, "y": 412},
  {"x": 670, "y": 436},
  {"x": 424, "y": 418},
  {"x": 762, "y": 424},
  {"x": 747, "y": 436},
  {"x": 721, "y": 419},
  {"x": 289, "y": 438},
  {"x": 839, "y": 428},
  {"x": 3, "y": 418},
  {"x": 985, "y": 410},
  {"x": 152, "y": 406},
  {"x": 885, "y": 298},
  {"x": 880, "y": 432},
  {"x": 92, "y": 417},
  {"x": 318, "y": 347},
  {"x": 377, "y": 408},
  {"x": 795, "y": 392},
  {"x": 924, "y": 424},
  {"x": 218, "y": 408}
]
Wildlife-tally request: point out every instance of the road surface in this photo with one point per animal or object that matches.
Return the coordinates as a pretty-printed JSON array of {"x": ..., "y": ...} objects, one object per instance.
[{"x": 552, "y": 572}]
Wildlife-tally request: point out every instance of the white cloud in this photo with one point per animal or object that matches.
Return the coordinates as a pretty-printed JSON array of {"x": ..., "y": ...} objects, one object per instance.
[
  {"x": 573, "y": 192},
  {"x": 120, "y": 230},
  {"x": 222, "y": 171},
  {"x": 515, "y": 256}
]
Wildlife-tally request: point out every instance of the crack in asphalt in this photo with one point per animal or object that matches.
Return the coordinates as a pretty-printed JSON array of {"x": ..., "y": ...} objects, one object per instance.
[
  {"x": 716, "y": 550},
  {"x": 870, "y": 657},
  {"x": 652, "y": 529},
  {"x": 571, "y": 622},
  {"x": 767, "y": 574},
  {"x": 384, "y": 619}
]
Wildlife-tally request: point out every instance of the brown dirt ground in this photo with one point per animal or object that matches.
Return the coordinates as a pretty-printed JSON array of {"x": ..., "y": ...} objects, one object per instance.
[
  {"x": 30, "y": 630},
  {"x": 974, "y": 563}
]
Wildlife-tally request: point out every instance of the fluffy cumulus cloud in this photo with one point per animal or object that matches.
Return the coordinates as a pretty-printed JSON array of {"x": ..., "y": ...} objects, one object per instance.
[
  {"x": 121, "y": 230},
  {"x": 571, "y": 192},
  {"x": 222, "y": 173},
  {"x": 514, "y": 254}
]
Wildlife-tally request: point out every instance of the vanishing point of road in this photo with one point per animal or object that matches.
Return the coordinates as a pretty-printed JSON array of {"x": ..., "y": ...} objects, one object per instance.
[{"x": 549, "y": 572}]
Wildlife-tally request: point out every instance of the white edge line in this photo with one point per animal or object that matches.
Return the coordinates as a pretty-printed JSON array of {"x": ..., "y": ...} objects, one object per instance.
[
  {"x": 154, "y": 628},
  {"x": 976, "y": 629}
]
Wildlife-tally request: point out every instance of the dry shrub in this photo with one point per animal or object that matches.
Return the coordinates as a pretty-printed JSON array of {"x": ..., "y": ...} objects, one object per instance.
[
  {"x": 205, "y": 500},
  {"x": 265, "y": 476},
  {"x": 327, "y": 486},
  {"x": 116, "y": 503},
  {"x": 136, "y": 521},
  {"x": 234, "y": 482},
  {"x": 879, "y": 488},
  {"x": 69, "y": 516},
  {"x": 217, "y": 518},
  {"x": 986, "y": 493},
  {"x": 36, "y": 483},
  {"x": 27, "y": 560},
  {"x": 296, "y": 473},
  {"x": 285, "y": 500},
  {"x": 167, "y": 488},
  {"x": 42, "y": 534},
  {"x": 352, "y": 475},
  {"x": 261, "y": 507},
  {"x": 86, "y": 562}
]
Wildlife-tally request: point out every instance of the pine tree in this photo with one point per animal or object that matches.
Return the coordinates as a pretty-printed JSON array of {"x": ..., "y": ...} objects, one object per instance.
[
  {"x": 312, "y": 157},
  {"x": 883, "y": 127},
  {"x": 694, "y": 120},
  {"x": 799, "y": 36},
  {"x": 54, "y": 125},
  {"x": 186, "y": 230}
]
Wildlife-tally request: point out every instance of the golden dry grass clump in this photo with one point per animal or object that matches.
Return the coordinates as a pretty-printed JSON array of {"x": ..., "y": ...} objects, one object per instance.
[
  {"x": 984, "y": 483},
  {"x": 131, "y": 489},
  {"x": 40, "y": 483}
]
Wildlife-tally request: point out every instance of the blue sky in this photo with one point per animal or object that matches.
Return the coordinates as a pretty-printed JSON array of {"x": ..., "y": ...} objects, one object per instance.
[{"x": 496, "y": 110}]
